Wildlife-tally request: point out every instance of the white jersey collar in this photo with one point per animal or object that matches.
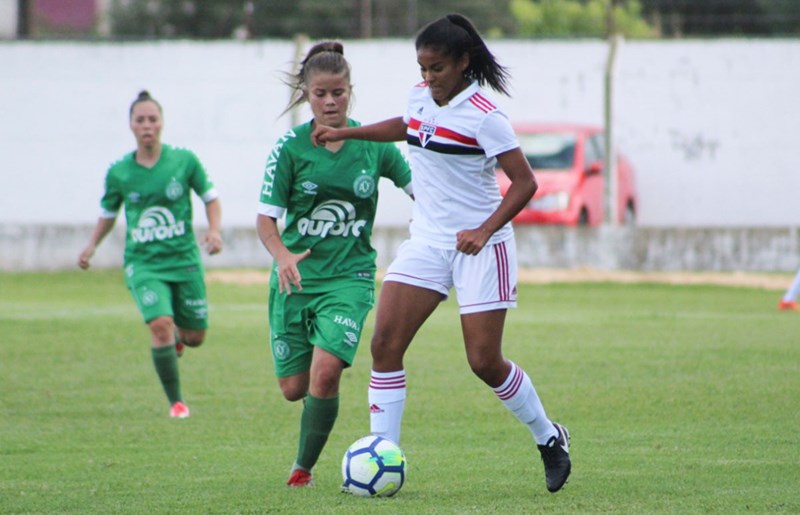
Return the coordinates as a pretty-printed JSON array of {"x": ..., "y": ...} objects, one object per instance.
[{"x": 470, "y": 90}]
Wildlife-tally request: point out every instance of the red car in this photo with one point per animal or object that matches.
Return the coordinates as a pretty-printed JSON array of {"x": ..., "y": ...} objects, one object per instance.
[{"x": 568, "y": 163}]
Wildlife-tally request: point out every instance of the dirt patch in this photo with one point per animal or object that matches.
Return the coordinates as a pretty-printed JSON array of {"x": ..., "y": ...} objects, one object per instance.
[{"x": 544, "y": 276}]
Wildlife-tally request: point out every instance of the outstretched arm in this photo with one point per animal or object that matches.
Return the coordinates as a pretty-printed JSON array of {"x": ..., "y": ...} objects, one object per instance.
[
  {"x": 101, "y": 230},
  {"x": 393, "y": 129}
]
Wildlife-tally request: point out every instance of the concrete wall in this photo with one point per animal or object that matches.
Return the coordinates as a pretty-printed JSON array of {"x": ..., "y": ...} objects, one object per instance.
[
  {"x": 706, "y": 123},
  {"x": 56, "y": 247}
]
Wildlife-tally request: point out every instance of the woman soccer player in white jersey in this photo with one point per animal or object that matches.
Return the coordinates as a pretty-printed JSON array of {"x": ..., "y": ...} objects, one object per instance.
[
  {"x": 163, "y": 270},
  {"x": 461, "y": 235},
  {"x": 323, "y": 278}
]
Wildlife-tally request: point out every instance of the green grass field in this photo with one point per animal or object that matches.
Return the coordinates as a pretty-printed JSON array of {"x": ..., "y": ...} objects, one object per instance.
[{"x": 679, "y": 399}]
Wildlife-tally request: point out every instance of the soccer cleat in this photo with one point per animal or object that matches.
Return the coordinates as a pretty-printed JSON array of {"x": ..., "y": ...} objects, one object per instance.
[
  {"x": 179, "y": 348},
  {"x": 179, "y": 410},
  {"x": 788, "y": 305},
  {"x": 300, "y": 477},
  {"x": 555, "y": 456}
]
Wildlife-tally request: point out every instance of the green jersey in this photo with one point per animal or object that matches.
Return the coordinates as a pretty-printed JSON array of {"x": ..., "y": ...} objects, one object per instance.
[
  {"x": 330, "y": 200},
  {"x": 160, "y": 241}
]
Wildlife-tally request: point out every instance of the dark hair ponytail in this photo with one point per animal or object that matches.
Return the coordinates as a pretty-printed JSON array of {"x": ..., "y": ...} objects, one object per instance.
[
  {"x": 328, "y": 57},
  {"x": 454, "y": 35},
  {"x": 144, "y": 96}
]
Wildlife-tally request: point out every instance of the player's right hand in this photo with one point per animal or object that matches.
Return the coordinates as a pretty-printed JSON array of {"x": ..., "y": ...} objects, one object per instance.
[
  {"x": 85, "y": 257},
  {"x": 288, "y": 274},
  {"x": 323, "y": 134}
]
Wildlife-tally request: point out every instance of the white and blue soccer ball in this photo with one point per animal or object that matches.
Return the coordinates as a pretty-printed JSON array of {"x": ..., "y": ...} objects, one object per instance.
[{"x": 373, "y": 467}]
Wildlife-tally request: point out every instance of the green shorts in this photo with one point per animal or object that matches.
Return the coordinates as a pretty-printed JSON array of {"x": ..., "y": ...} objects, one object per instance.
[
  {"x": 184, "y": 301},
  {"x": 331, "y": 320}
]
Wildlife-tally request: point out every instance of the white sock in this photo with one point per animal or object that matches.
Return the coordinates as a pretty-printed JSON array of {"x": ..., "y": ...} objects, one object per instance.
[
  {"x": 519, "y": 396},
  {"x": 387, "y": 398},
  {"x": 794, "y": 290}
]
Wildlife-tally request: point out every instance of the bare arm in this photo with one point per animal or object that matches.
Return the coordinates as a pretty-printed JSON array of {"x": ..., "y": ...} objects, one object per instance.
[
  {"x": 393, "y": 129},
  {"x": 101, "y": 230},
  {"x": 288, "y": 275},
  {"x": 523, "y": 186},
  {"x": 213, "y": 237}
]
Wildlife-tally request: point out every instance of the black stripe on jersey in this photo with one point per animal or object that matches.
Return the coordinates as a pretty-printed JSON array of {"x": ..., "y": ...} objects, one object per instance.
[{"x": 442, "y": 148}]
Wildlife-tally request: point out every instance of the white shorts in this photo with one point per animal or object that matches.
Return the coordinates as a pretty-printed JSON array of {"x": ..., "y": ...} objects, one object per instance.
[{"x": 484, "y": 282}]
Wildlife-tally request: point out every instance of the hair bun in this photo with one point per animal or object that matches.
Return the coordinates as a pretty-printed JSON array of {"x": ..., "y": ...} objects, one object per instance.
[{"x": 326, "y": 46}]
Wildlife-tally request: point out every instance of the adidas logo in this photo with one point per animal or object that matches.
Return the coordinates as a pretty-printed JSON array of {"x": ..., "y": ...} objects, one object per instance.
[{"x": 374, "y": 408}]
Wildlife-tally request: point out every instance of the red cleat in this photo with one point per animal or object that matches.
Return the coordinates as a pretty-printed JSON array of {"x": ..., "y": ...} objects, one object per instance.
[
  {"x": 179, "y": 348},
  {"x": 300, "y": 477},
  {"x": 179, "y": 410},
  {"x": 788, "y": 305}
]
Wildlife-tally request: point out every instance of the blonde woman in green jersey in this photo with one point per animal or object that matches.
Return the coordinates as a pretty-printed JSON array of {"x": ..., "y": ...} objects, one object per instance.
[
  {"x": 163, "y": 269},
  {"x": 323, "y": 277}
]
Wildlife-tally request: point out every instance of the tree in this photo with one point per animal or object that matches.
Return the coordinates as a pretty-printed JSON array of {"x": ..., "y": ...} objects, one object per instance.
[
  {"x": 340, "y": 19},
  {"x": 561, "y": 18},
  {"x": 176, "y": 18},
  {"x": 724, "y": 17}
]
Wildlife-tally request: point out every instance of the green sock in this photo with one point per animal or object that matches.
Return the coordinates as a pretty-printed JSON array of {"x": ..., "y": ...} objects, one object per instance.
[
  {"x": 315, "y": 426},
  {"x": 166, "y": 363}
]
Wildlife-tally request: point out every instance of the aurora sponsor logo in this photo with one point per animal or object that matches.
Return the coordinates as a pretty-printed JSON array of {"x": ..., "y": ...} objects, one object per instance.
[
  {"x": 332, "y": 218},
  {"x": 157, "y": 223}
]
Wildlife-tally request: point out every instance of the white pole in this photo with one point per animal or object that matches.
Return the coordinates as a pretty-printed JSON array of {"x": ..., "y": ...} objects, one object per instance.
[
  {"x": 300, "y": 43},
  {"x": 610, "y": 165}
]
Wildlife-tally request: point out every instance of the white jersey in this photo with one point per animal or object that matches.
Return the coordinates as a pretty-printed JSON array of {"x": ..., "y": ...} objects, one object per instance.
[{"x": 452, "y": 150}]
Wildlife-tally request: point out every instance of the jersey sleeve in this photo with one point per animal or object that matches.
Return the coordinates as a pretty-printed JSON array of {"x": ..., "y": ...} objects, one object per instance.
[
  {"x": 394, "y": 166},
  {"x": 495, "y": 135},
  {"x": 112, "y": 197},
  {"x": 278, "y": 176},
  {"x": 200, "y": 182}
]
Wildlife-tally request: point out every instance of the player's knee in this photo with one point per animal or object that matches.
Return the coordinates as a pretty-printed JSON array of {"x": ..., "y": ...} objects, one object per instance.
[
  {"x": 488, "y": 370},
  {"x": 382, "y": 347},
  {"x": 292, "y": 393},
  {"x": 192, "y": 338},
  {"x": 325, "y": 384},
  {"x": 162, "y": 329},
  {"x": 294, "y": 388}
]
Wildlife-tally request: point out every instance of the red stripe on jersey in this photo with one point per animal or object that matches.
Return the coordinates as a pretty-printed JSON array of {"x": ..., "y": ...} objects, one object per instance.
[
  {"x": 482, "y": 103},
  {"x": 445, "y": 133}
]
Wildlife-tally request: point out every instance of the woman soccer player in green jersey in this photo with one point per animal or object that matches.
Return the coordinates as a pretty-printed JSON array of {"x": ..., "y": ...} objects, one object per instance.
[
  {"x": 163, "y": 270},
  {"x": 323, "y": 277}
]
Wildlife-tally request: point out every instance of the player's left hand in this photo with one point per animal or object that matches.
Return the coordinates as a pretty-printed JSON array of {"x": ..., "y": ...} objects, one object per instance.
[
  {"x": 471, "y": 241},
  {"x": 212, "y": 242}
]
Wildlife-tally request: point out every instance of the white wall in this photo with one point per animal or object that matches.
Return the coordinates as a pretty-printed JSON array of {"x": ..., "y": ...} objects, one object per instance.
[
  {"x": 707, "y": 124},
  {"x": 8, "y": 19}
]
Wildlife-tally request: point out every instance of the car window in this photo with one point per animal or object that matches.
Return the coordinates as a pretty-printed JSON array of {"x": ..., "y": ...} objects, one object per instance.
[
  {"x": 549, "y": 150},
  {"x": 595, "y": 149}
]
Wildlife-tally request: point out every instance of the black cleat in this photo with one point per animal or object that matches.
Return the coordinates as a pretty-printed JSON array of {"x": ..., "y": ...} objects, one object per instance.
[{"x": 555, "y": 456}]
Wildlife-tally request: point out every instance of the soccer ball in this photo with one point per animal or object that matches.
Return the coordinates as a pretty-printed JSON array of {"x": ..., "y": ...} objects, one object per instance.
[{"x": 373, "y": 467}]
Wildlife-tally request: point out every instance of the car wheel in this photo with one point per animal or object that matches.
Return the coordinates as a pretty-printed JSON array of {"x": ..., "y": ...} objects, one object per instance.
[
  {"x": 629, "y": 217},
  {"x": 583, "y": 218}
]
